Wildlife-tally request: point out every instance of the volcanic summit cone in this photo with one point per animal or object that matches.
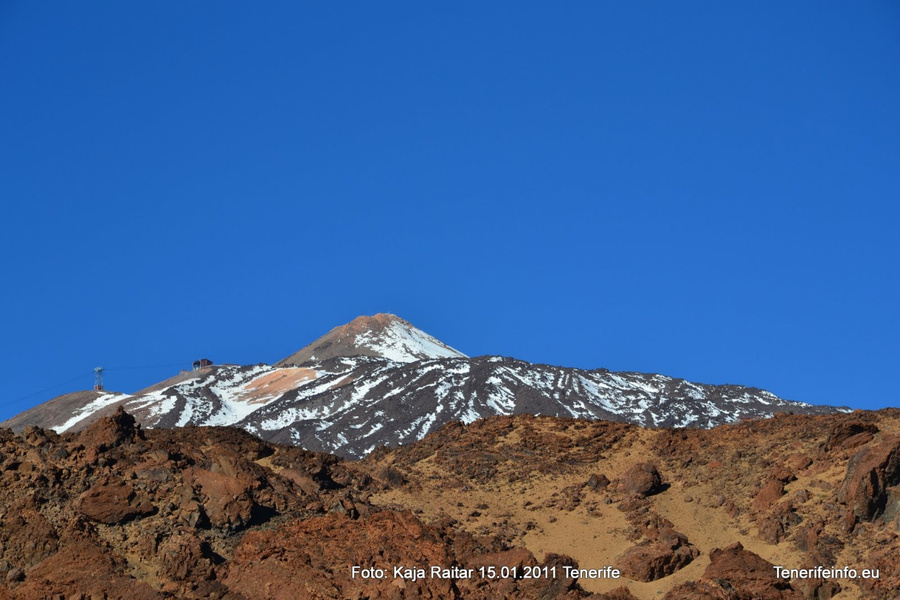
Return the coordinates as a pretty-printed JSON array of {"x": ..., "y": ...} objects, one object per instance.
[{"x": 382, "y": 336}]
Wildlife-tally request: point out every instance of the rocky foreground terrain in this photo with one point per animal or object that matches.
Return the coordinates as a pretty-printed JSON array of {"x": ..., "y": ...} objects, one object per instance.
[{"x": 115, "y": 511}]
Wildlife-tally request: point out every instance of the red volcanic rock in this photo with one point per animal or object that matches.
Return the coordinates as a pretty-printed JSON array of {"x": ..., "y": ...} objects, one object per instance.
[
  {"x": 774, "y": 526},
  {"x": 215, "y": 514},
  {"x": 768, "y": 495},
  {"x": 227, "y": 501},
  {"x": 657, "y": 558},
  {"x": 113, "y": 501},
  {"x": 182, "y": 556},
  {"x": 806, "y": 537},
  {"x": 736, "y": 574},
  {"x": 885, "y": 560},
  {"x": 846, "y": 435},
  {"x": 641, "y": 479},
  {"x": 798, "y": 462},
  {"x": 297, "y": 560},
  {"x": 110, "y": 431},
  {"x": 752, "y": 576},
  {"x": 783, "y": 474},
  {"x": 869, "y": 474},
  {"x": 818, "y": 589},
  {"x": 27, "y": 536}
]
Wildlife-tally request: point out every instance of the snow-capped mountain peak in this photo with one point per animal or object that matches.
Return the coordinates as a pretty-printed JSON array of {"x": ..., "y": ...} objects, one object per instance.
[
  {"x": 379, "y": 380},
  {"x": 381, "y": 336}
]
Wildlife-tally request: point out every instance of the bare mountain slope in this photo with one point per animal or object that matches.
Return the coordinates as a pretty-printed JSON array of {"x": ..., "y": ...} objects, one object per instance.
[{"x": 59, "y": 410}]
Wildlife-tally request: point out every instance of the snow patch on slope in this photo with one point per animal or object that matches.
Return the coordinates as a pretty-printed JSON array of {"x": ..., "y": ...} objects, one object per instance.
[
  {"x": 230, "y": 392},
  {"x": 400, "y": 343},
  {"x": 89, "y": 409}
]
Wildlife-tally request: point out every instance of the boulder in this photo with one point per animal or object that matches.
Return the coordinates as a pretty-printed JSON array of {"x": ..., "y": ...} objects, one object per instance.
[
  {"x": 113, "y": 501},
  {"x": 227, "y": 500},
  {"x": 641, "y": 479},
  {"x": 183, "y": 556},
  {"x": 110, "y": 431},
  {"x": 752, "y": 577},
  {"x": 656, "y": 558},
  {"x": 769, "y": 494}
]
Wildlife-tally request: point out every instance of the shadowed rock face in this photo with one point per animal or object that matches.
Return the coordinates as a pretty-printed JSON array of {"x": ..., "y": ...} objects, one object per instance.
[
  {"x": 119, "y": 512},
  {"x": 871, "y": 472}
]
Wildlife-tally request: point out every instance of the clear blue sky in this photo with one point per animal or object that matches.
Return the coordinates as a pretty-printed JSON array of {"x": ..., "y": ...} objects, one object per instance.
[{"x": 706, "y": 190}]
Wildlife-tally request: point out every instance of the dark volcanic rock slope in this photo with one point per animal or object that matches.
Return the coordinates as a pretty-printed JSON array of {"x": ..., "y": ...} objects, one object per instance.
[{"x": 380, "y": 381}]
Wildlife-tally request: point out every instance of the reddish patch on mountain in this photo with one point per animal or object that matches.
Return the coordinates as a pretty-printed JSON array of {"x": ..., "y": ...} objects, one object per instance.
[{"x": 276, "y": 383}]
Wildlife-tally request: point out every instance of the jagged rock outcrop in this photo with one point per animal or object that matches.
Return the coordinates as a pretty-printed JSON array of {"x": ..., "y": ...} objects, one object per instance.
[
  {"x": 849, "y": 434},
  {"x": 870, "y": 473},
  {"x": 664, "y": 553}
]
